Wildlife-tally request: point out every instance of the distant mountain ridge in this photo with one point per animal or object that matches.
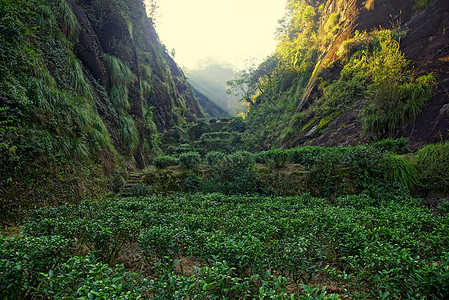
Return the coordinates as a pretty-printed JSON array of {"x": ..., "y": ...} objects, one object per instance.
[{"x": 211, "y": 80}]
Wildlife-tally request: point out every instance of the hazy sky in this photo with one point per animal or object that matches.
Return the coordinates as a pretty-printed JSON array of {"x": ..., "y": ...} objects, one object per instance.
[{"x": 231, "y": 30}]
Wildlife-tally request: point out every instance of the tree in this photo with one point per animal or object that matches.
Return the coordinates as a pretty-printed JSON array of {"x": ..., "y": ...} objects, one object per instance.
[
  {"x": 243, "y": 86},
  {"x": 264, "y": 72}
]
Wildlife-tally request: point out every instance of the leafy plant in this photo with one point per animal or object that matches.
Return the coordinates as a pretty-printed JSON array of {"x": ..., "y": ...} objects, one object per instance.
[
  {"x": 275, "y": 158},
  {"x": 396, "y": 146},
  {"x": 394, "y": 98},
  {"x": 140, "y": 190},
  {"x": 432, "y": 164},
  {"x": 163, "y": 243},
  {"x": 190, "y": 160},
  {"x": 22, "y": 260},
  {"x": 161, "y": 162},
  {"x": 86, "y": 278}
]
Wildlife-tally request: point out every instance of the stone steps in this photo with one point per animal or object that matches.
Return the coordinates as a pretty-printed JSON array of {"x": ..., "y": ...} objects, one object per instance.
[{"x": 133, "y": 180}]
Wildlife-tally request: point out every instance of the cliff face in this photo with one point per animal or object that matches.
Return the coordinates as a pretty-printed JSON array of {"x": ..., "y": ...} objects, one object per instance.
[
  {"x": 324, "y": 103},
  {"x": 425, "y": 44},
  {"x": 85, "y": 89},
  {"x": 122, "y": 29}
]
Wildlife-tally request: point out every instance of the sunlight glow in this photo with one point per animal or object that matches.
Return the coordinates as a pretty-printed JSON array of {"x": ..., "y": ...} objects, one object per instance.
[{"x": 229, "y": 30}]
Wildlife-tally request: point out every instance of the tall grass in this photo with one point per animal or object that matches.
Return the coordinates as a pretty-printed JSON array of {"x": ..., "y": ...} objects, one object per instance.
[
  {"x": 70, "y": 24},
  {"x": 92, "y": 126},
  {"x": 432, "y": 163},
  {"x": 129, "y": 133},
  {"x": 402, "y": 172},
  {"x": 393, "y": 96},
  {"x": 119, "y": 97},
  {"x": 79, "y": 149},
  {"x": 391, "y": 107},
  {"x": 78, "y": 81},
  {"x": 145, "y": 88},
  {"x": 37, "y": 92},
  {"x": 121, "y": 74}
]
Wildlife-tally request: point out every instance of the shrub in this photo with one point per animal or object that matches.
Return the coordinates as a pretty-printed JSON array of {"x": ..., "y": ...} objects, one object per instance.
[
  {"x": 190, "y": 160},
  {"x": 22, "y": 260},
  {"x": 237, "y": 124},
  {"x": 443, "y": 206},
  {"x": 193, "y": 183},
  {"x": 86, "y": 278},
  {"x": 432, "y": 163},
  {"x": 394, "y": 96},
  {"x": 355, "y": 201},
  {"x": 214, "y": 158},
  {"x": 179, "y": 149},
  {"x": 162, "y": 242},
  {"x": 396, "y": 146},
  {"x": 198, "y": 129},
  {"x": 276, "y": 158},
  {"x": 117, "y": 182},
  {"x": 305, "y": 155},
  {"x": 161, "y": 162},
  {"x": 233, "y": 173}
]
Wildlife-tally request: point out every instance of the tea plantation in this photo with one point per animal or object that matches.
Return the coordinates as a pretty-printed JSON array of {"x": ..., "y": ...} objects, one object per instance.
[{"x": 216, "y": 246}]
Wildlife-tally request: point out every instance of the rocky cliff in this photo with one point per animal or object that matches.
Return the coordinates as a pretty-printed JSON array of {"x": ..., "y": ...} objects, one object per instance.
[
  {"x": 85, "y": 89},
  {"x": 320, "y": 97}
]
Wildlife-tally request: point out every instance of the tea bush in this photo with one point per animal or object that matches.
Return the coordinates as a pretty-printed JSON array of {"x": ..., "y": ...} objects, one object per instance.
[
  {"x": 161, "y": 162},
  {"x": 140, "y": 190},
  {"x": 22, "y": 260},
  {"x": 275, "y": 158},
  {"x": 396, "y": 146},
  {"x": 86, "y": 278},
  {"x": 190, "y": 160},
  {"x": 232, "y": 173},
  {"x": 247, "y": 246}
]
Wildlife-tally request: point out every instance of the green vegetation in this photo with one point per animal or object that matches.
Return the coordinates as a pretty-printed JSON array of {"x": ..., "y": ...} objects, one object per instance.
[
  {"x": 378, "y": 73},
  {"x": 240, "y": 247},
  {"x": 394, "y": 97},
  {"x": 422, "y": 4},
  {"x": 51, "y": 132},
  {"x": 190, "y": 160},
  {"x": 432, "y": 161},
  {"x": 293, "y": 90},
  {"x": 120, "y": 73},
  {"x": 381, "y": 170},
  {"x": 72, "y": 115},
  {"x": 164, "y": 161},
  {"x": 223, "y": 212}
]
